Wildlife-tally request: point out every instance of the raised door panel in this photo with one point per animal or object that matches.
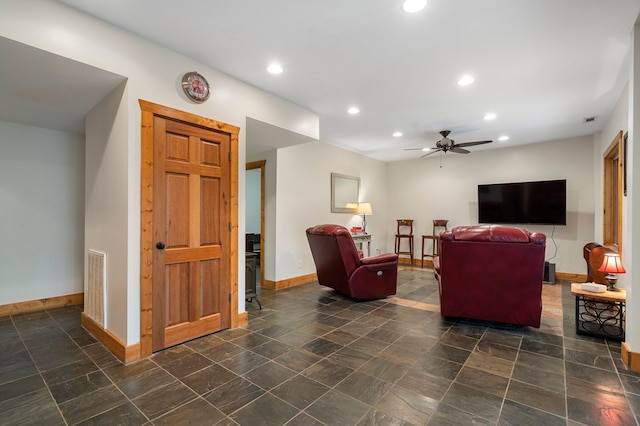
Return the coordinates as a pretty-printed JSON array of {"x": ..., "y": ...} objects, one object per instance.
[{"x": 191, "y": 297}]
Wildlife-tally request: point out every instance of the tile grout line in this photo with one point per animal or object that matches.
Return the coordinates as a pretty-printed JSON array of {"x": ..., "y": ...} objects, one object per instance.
[
  {"x": 47, "y": 387},
  {"x": 392, "y": 318},
  {"x": 101, "y": 369}
]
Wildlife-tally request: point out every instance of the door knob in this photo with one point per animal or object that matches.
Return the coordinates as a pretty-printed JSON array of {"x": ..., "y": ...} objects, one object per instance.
[{"x": 160, "y": 246}]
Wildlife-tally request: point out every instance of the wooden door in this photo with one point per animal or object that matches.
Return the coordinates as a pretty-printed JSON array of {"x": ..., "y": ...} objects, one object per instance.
[{"x": 191, "y": 232}]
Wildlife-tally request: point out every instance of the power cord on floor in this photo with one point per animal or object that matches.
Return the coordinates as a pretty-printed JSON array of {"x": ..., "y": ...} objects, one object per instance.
[{"x": 553, "y": 230}]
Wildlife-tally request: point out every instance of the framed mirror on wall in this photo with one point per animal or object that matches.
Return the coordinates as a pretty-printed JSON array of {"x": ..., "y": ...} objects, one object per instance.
[{"x": 344, "y": 193}]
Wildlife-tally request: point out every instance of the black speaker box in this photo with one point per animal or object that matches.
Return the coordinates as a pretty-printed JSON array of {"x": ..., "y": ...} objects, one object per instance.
[{"x": 549, "y": 272}]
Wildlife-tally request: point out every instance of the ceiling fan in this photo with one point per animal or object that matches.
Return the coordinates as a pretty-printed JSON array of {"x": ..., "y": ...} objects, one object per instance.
[{"x": 445, "y": 145}]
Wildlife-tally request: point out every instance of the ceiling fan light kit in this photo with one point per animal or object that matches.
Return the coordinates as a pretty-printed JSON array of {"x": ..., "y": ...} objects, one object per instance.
[{"x": 445, "y": 145}]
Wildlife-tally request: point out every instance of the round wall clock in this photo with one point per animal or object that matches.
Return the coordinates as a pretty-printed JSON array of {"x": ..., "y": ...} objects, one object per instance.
[{"x": 195, "y": 87}]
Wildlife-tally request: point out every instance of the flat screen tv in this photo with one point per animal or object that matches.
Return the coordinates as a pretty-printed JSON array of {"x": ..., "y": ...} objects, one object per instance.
[{"x": 539, "y": 203}]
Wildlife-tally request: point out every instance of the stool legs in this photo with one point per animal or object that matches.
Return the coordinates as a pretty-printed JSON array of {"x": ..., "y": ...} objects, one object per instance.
[
  {"x": 424, "y": 237},
  {"x": 434, "y": 247},
  {"x": 398, "y": 242},
  {"x": 435, "y": 238}
]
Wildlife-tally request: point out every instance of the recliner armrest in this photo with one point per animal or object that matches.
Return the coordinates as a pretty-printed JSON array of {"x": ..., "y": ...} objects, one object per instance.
[
  {"x": 388, "y": 257},
  {"x": 436, "y": 263},
  {"x": 538, "y": 238}
]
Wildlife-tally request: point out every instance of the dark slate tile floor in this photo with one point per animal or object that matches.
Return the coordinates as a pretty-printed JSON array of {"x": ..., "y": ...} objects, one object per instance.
[{"x": 311, "y": 357}]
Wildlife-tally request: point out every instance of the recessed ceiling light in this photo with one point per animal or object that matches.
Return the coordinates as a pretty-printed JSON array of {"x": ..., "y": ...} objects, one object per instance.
[
  {"x": 465, "y": 80},
  {"x": 413, "y": 6},
  {"x": 397, "y": 134},
  {"x": 503, "y": 138},
  {"x": 490, "y": 116},
  {"x": 275, "y": 68},
  {"x": 353, "y": 110}
]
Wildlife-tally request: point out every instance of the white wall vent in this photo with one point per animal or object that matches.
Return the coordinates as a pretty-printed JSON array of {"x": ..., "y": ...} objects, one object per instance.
[{"x": 94, "y": 299}]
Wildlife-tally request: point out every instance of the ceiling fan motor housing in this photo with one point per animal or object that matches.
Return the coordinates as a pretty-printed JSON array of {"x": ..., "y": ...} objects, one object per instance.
[{"x": 445, "y": 144}]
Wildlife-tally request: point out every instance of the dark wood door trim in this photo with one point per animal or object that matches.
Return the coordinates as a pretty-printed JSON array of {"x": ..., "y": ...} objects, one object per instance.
[
  {"x": 613, "y": 163},
  {"x": 149, "y": 110}
]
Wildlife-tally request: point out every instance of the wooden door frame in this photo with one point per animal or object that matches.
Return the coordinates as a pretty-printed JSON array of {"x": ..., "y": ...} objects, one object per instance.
[
  {"x": 613, "y": 165},
  {"x": 149, "y": 110},
  {"x": 252, "y": 166}
]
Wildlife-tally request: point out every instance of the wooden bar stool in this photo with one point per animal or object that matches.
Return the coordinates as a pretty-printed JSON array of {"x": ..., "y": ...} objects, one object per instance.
[
  {"x": 404, "y": 232},
  {"x": 435, "y": 238}
]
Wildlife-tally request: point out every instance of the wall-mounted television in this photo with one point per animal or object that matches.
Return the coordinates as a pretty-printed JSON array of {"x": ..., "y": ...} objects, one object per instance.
[{"x": 539, "y": 203}]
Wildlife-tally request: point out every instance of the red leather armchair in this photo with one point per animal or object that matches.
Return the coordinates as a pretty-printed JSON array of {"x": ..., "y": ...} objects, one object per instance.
[
  {"x": 594, "y": 255},
  {"x": 340, "y": 267},
  {"x": 491, "y": 273}
]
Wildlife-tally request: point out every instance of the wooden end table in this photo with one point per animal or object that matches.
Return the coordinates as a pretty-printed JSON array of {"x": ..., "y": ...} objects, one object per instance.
[
  {"x": 600, "y": 314},
  {"x": 360, "y": 239}
]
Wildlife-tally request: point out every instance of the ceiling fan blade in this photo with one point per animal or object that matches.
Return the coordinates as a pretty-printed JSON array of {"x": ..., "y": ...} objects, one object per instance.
[
  {"x": 473, "y": 143},
  {"x": 433, "y": 151},
  {"x": 459, "y": 150},
  {"x": 445, "y": 144}
]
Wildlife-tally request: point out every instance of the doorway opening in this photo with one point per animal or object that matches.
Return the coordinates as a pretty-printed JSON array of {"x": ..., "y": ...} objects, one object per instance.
[
  {"x": 188, "y": 227},
  {"x": 254, "y": 214}
]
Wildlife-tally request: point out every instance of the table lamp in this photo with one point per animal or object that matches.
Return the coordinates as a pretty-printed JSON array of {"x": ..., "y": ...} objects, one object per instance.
[
  {"x": 364, "y": 209},
  {"x": 612, "y": 265}
]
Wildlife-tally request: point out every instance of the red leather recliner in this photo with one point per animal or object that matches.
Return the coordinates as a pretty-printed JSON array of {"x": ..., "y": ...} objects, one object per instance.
[
  {"x": 340, "y": 267},
  {"x": 491, "y": 273}
]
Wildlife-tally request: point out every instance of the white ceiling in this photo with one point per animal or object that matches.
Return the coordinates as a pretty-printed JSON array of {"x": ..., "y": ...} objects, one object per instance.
[
  {"x": 263, "y": 137},
  {"x": 541, "y": 65},
  {"x": 41, "y": 89}
]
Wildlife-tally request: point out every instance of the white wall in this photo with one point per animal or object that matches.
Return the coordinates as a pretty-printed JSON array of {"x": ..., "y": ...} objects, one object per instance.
[
  {"x": 153, "y": 74},
  {"x": 42, "y": 213},
  {"x": 616, "y": 122},
  {"x": 418, "y": 189},
  {"x": 106, "y": 202},
  {"x": 631, "y": 230},
  {"x": 301, "y": 180},
  {"x": 270, "y": 201},
  {"x": 422, "y": 190},
  {"x": 631, "y": 203},
  {"x": 304, "y": 200},
  {"x": 625, "y": 117}
]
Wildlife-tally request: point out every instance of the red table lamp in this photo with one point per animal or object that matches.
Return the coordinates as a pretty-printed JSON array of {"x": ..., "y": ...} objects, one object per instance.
[{"x": 612, "y": 265}]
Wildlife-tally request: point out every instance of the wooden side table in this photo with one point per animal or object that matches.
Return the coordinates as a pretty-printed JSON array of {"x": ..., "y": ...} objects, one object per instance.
[
  {"x": 360, "y": 239},
  {"x": 600, "y": 314}
]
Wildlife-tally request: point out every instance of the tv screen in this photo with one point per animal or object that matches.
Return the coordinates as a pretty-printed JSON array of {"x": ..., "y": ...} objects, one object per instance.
[{"x": 539, "y": 203}]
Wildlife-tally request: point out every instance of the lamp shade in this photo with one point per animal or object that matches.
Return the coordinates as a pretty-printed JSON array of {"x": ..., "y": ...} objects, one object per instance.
[
  {"x": 611, "y": 264},
  {"x": 352, "y": 205},
  {"x": 364, "y": 208}
]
